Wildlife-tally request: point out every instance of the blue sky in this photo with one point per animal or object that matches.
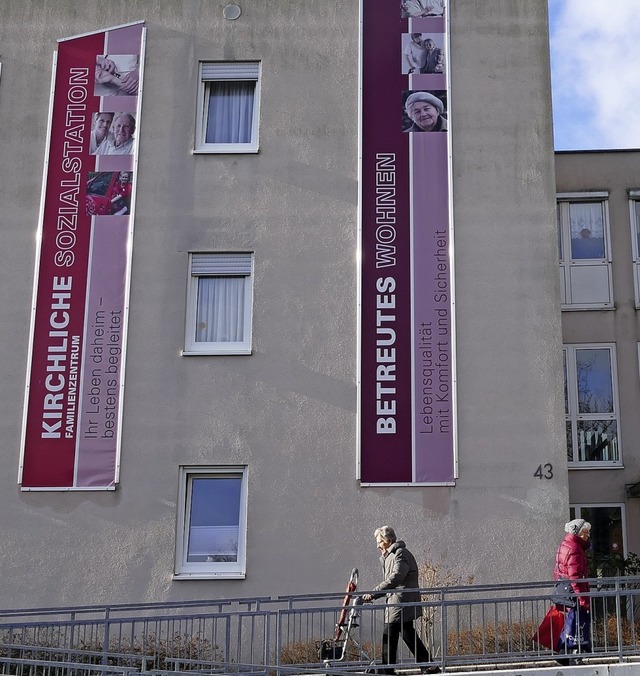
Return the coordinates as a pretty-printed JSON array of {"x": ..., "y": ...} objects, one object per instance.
[{"x": 595, "y": 61}]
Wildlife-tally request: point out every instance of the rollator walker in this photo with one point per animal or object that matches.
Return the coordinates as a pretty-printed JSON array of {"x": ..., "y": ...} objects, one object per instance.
[{"x": 334, "y": 650}]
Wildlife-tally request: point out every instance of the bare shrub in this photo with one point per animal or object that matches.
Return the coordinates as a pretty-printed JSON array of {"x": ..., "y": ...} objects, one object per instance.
[
  {"x": 121, "y": 651},
  {"x": 605, "y": 632},
  {"x": 492, "y": 639},
  {"x": 434, "y": 576}
]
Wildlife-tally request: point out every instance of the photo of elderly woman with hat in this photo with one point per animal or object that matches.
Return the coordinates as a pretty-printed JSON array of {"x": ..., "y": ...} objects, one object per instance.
[{"x": 426, "y": 111}]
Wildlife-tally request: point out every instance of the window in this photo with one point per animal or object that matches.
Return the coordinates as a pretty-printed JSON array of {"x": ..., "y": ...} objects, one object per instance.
[
  {"x": 591, "y": 406},
  {"x": 219, "y": 301},
  {"x": 212, "y": 522},
  {"x": 607, "y": 532},
  {"x": 634, "y": 211},
  {"x": 585, "y": 261},
  {"x": 228, "y": 108}
]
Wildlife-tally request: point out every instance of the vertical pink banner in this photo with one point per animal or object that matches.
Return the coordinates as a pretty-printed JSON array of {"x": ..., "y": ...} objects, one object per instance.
[
  {"x": 385, "y": 418},
  {"x": 406, "y": 384},
  {"x": 83, "y": 262}
]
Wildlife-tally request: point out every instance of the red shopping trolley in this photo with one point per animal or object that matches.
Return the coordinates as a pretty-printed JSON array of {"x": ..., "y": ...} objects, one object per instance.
[{"x": 335, "y": 649}]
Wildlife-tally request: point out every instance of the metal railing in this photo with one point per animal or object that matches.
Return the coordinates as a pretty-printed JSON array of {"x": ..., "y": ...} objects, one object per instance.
[{"x": 461, "y": 626}]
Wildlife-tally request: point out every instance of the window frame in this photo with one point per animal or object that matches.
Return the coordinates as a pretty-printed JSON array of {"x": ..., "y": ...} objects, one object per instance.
[
  {"x": 573, "y": 416},
  {"x": 209, "y": 569},
  {"x": 199, "y": 348},
  {"x": 569, "y": 267},
  {"x": 200, "y": 145},
  {"x": 634, "y": 221}
]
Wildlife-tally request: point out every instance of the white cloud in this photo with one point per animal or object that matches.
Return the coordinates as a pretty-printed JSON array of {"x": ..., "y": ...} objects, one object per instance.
[{"x": 595, "y": 55}]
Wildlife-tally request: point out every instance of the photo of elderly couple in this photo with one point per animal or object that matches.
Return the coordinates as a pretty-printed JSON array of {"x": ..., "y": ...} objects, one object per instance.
[
  {"x": 112, "y": 134},
  {"x": 422, "y": 53}
]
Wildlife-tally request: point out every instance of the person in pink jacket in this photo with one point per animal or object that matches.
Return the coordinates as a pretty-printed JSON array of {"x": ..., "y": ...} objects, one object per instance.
[
  {"x": 571, "y": 558},
  {"x": 572, "y": 565}
]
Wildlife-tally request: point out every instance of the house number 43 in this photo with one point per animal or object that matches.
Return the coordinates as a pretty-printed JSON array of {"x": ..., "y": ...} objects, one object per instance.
[{"x": 544, "y": 471}]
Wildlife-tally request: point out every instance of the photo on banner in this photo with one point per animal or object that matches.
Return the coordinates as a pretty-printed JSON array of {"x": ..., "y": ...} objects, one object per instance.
[
  {"x": 424, "y": 111},
  {"x": 117, "y": 75},
  {"x": 416, "y": 9},
  {"x": 109, "y": 193},
  {"x": 423, "y": 54}
]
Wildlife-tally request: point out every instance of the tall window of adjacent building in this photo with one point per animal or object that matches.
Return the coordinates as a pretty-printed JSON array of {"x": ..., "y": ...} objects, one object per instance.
[
  {"x": 219, "y": 303},
  {"x": 212, "y": 522},
  {"x": 591, "y": 406},
  {"x": 585, "y": 260},
  {"x": 634, "y": 211},
  {"x": 228, "y": 108}
]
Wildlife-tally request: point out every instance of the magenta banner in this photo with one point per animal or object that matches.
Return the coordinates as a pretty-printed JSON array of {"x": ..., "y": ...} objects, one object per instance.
[
  {"x": 75, "y": 378},
  {"x": 407, "y": 348}
]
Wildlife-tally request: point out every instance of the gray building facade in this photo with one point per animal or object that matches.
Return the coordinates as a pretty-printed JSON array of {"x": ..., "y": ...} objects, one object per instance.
[
  {"x": 598, "y": 230},
  {"x": 268, "y": 431}
]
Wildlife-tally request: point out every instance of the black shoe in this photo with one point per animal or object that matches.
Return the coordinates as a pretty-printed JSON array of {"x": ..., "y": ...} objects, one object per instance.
[
  {"x": 563, "y": 661},
  {"x": 430, "y": 670}
]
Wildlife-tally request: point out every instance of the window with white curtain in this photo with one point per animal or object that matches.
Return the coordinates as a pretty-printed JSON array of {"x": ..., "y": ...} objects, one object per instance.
[
  {"x": 228, "y": 107},
  {"x": 584, "y": 245},
  {"x": 591, "y": 406},
  {"x": 212, "y": 522},
  {"x": 219, "y": 301}
]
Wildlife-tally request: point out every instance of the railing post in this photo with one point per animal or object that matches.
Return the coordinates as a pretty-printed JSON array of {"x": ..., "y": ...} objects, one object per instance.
[
  {"x": 267, "y": 640},
  {"x": 72, "y": 632},
  {"x": 619, "y": 619},
  {"x": 105, "y": 641},
  {"x": 443, "y": 629},
  {"x": 278, "y": 655}
]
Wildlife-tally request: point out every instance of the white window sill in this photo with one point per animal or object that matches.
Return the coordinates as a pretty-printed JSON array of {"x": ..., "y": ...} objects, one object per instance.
[
  {"x": 582, "y": 308},
  {"x": 222, "y": 150},
  {"x": 204, "y": 353},
  {"x": 605, "y": 464},
  {"x": 209, "y": 576}
]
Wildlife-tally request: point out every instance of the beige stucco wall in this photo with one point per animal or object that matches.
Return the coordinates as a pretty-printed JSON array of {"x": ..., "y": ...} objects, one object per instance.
[{"x": 288, "y": 411}]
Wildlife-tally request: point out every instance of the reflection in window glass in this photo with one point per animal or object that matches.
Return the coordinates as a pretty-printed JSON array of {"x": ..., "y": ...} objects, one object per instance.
[
  {"x": 559, "y": 224},
  {"x": 587, "y": 230},
  {"x": 585, "y": 260},
  {"x": 637, "y": 209},
  {"x": 566, "y": 389},
  {"x": 607, "y": 533},
  {"x": 591, "y": 407},
  {"x": 214, "y": 519},
  {"x": 595, "y": 390},
  {"x": 597, "y": 441}
]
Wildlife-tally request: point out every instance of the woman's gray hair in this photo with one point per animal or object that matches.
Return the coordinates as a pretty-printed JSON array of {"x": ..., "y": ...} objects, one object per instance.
[{"x": 386, "y": 533}]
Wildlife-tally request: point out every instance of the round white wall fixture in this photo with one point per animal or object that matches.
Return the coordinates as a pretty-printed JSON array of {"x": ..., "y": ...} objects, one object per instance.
[{"x": 232, "y": 11}]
